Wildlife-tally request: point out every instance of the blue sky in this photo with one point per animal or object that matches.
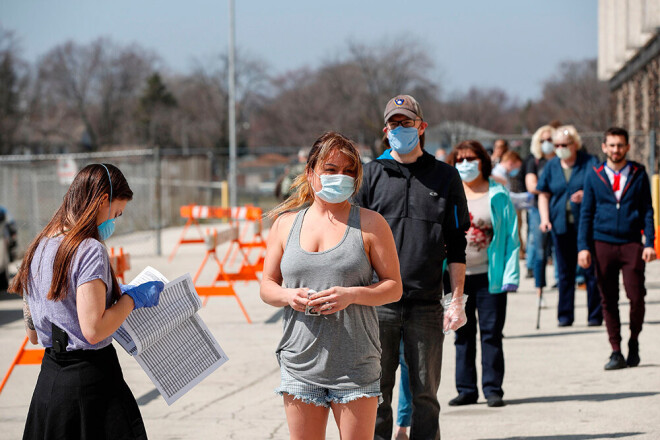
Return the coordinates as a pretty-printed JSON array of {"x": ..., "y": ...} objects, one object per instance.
[{"x": 511, "y": 44}]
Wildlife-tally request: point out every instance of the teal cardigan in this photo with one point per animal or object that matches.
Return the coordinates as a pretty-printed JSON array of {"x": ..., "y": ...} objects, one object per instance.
[{"x": 504, "y": 249}]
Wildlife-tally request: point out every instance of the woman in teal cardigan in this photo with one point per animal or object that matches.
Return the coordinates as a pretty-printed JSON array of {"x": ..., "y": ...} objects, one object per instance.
[{"x": 492, "y": 270}]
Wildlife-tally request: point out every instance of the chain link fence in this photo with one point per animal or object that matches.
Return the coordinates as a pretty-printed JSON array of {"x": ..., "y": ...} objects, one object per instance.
[{"x": 32, "y": 187}]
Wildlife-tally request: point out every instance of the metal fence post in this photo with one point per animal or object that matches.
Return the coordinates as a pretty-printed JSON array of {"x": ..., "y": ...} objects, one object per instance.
[{"x": 159, "y": 194}]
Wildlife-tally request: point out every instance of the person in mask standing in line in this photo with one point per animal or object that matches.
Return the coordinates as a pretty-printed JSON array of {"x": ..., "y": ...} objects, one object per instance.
[
  {"x": 492, "y": 271},
  {"x": 72, "y": 305},
  {"x": 424, "y": 204},
  {"x": 560, "y": 196},
  {"x": 319, "y": 266},
  {"x": 539, "y": 245}
]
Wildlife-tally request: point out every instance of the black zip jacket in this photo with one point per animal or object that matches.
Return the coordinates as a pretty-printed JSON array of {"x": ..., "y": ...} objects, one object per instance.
[{"x": 425, "y": 206}]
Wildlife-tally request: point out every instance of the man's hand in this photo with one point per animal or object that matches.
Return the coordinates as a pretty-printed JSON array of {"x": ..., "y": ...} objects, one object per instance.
[
  {"x": 584, "y": 259},
  {"x": 648, "y": 254},
  {"x": 454, "y": 314}
]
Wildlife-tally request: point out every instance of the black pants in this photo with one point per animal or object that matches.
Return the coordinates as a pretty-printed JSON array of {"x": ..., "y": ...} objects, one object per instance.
[
  {"x": 420, "y": 328},
  {"x": 82, "y": 394},
  {"x": 566, "y": 253},
  {"x": 489, "y": 311}
]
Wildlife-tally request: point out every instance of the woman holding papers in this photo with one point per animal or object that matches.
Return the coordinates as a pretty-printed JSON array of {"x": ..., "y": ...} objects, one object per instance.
[
  {"x": 319, "y": 266},
  {"x": 73, "y": 304}
]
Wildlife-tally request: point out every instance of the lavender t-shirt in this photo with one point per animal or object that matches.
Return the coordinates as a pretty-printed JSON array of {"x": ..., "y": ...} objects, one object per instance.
[{"x": 89, "y": 263}]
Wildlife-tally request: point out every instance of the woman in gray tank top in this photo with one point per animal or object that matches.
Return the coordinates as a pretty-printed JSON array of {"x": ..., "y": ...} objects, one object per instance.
[{"x": 319, "y": 266}]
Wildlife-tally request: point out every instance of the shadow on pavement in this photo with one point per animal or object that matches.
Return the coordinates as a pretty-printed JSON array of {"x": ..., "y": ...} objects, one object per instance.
[
  {"x": 548, "y": 335},
  {"x": 147, "y": 397},
  {"x": 277, "y": 316},
  {"x": 581, "y": 397},
  {"x": 570, "y": 436},
  {"x": 9, "y": 316}
]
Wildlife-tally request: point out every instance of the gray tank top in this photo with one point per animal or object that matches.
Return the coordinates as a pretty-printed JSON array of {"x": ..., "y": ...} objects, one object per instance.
[{"x": 340, "y": 350}]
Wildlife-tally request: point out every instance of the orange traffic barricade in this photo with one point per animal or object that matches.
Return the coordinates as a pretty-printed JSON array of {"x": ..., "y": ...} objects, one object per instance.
[
  {"x": 23, "y": 357},
  {"x": 194, "y": 212},
  {"x": 120, "y": 263},
  {"x": 250, "y": 238},
  {"x": 213, "y": 240}
]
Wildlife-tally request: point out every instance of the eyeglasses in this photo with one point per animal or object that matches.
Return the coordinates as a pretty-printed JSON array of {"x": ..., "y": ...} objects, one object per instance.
[
  {"x": 563, "y": 145},
  {"x": 468, "y": 158},
  {"x": 406, "y": 123}
]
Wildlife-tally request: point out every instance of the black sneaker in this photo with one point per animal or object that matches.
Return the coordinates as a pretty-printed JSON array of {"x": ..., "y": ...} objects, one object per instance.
[
  {"x": 463, "y": 399},
  {"x": 616, "y": 362},
  {"x": 530, "y": 274},
  {"x": 495, "y": 401},
  {"x": 633, "y": 353}
]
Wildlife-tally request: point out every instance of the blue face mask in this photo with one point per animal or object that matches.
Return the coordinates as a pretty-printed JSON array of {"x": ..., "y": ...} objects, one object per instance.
[
  {"x": 403, "y": 139},
  {"x": 547, "y": 147},
  {"x": 107, "y": 228},
  {"x": 468, "y": 170},
  {"x": 336, "y": 188},
  {"x": 514, "y": 172}
]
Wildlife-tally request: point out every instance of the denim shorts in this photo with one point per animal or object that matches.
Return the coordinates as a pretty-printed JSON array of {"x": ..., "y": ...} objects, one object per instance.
[{"x": 321, "y": 396}]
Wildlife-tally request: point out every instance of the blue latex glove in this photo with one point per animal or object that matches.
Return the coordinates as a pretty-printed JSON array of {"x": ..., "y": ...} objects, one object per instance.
[{"x": 144, "y": 295}]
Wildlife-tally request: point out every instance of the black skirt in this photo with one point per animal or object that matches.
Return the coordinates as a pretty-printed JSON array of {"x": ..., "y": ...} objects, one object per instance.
[{"x": 82, "y": 395}]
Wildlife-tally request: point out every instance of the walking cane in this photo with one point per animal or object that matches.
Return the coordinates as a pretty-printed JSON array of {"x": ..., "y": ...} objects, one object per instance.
[{"x": 538, "y": 310}]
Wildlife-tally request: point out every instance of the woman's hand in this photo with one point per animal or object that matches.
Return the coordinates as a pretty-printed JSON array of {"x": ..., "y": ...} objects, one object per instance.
[
  {"x": 331, "y": 300},
  {"x": 545, "y": 226},
  {"x": 576, "y": 197},
  {"x": 297, "y": 298}
]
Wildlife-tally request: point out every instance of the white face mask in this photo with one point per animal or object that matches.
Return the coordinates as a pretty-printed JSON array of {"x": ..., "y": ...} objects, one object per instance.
[
  {"x": 335, "y": 188},
  {"x": 563, "y": 153}
]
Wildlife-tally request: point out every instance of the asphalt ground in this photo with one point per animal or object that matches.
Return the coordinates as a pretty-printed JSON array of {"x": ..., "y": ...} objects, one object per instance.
[{"x": 555, "y": 386}]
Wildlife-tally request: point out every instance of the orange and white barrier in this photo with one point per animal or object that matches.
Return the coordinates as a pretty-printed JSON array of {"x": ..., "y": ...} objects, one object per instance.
[
  {"x": 212, "y": 241},
  {"x": 194, "y": 212},
  {"x": 23, "y": 357},
  {"x": 120, "y": 263}
]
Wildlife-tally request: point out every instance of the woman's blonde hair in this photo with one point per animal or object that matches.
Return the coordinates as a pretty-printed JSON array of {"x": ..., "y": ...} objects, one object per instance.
[
  {"x": 535, "y": 147},
  {"x": 302, "y": 192},
  {"x": 571, "y": 132}
]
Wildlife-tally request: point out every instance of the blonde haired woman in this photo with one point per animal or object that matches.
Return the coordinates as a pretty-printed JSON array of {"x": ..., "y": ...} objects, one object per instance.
[
  {"x": 539, "y": 245},
  {"x": 320, "y": 259},
  {"x": 561, "y": 187}
]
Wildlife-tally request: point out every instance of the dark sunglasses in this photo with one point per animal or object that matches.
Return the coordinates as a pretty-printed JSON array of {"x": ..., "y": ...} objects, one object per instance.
[{"x": 469, "y": 159}]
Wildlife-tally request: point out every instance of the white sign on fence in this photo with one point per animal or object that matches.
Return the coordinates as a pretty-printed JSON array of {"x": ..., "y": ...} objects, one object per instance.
[{"x": 66, "y": 170}]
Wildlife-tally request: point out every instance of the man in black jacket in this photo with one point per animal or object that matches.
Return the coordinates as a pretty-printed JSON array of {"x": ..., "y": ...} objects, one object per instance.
[{"x": 423, "y": 201}]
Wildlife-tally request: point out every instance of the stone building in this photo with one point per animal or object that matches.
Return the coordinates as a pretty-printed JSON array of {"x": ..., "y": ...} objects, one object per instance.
[{"x": 629, "y": 60}]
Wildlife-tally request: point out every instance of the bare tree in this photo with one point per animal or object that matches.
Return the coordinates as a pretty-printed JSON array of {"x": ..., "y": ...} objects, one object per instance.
[
  {"x": 14, "y": 77},
  {"x": 94, "y": 84},
  {"x": 203, "y": 100},
  {"x": 574, "y": 95},
  {"x": 348, "y": 95}
]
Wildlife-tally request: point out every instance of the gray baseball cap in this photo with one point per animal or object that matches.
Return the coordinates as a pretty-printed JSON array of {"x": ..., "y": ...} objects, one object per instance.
[{"x": 403, "y": 105}]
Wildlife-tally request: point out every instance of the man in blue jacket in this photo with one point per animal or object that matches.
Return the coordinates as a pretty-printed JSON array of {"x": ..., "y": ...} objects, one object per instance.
[
  {"x": 616, "y": 206},
  {"x": 424, "y": 203}
]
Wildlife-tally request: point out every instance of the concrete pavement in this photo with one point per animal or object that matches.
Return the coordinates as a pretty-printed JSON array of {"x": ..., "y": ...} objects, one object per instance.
[{"x": 555, "y": 385}]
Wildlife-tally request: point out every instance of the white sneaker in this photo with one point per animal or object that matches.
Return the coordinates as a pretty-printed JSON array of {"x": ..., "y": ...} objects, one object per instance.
[{"x": 540, "y": 302}]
